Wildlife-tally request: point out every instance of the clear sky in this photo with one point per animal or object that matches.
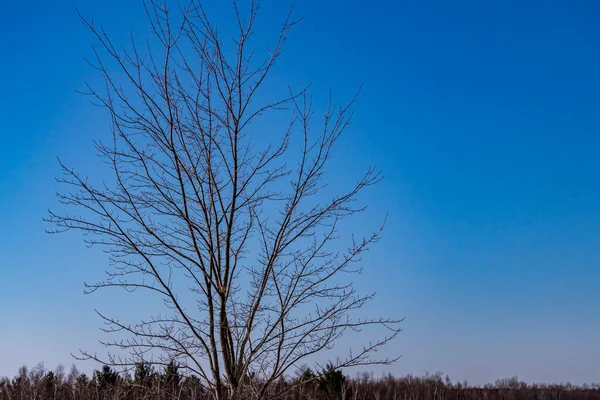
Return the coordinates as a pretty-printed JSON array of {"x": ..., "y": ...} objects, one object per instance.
[{"x": 482, "y": 115}]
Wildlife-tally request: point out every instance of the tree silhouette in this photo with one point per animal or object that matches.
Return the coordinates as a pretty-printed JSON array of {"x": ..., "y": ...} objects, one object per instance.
[
  {"x": 144, "y": 374},
  {"x": 172, "y": 379},
  {"x": 331, "y": 382},
  {"x": 106, "y": 378},
  {"x": 220, "y": 210}
]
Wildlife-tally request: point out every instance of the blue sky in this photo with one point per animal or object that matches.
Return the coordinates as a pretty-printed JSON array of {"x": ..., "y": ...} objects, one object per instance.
[{"x": 482, "y": 116}]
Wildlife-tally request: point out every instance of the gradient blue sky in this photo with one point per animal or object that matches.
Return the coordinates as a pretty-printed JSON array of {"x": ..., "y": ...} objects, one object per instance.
[{"x": 482, "y": 115}]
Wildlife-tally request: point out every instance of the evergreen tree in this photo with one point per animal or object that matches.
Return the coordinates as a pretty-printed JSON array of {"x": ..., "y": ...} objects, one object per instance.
[
  {"x": 172, "y": 378},
  {"x": 106, "y": 378},
  {"x": 144, "y": 373},
  {"x": 331, "y": 383}
]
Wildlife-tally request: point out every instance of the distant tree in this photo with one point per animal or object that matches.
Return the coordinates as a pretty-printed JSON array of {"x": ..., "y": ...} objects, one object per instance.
[
  {"x": 82, "y": 385},
  {"x": 82, "y": 380},
  {"x": 331, "y": 382},
  {"x": 220, "y": 210},
  {"x": 105, "y": 378},
  {"x": 49, "y": 384},
  {"x": 5, "y": 388},
  {"x": 37, "y": 373},
  {"x": 307, "y": 375},
  {"x": 22, "y": 377},
  {"x": 172, "y": 378},
  {"x": 144, "y": 374},
  {"x": 510, "y": 383}
]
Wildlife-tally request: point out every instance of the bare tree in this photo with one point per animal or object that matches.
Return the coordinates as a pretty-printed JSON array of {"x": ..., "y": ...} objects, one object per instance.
[{"x": 240, "y": 242}]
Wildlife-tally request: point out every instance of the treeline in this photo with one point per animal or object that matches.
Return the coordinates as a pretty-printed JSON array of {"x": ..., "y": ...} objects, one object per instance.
[{"x": 144, "y": 383}]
